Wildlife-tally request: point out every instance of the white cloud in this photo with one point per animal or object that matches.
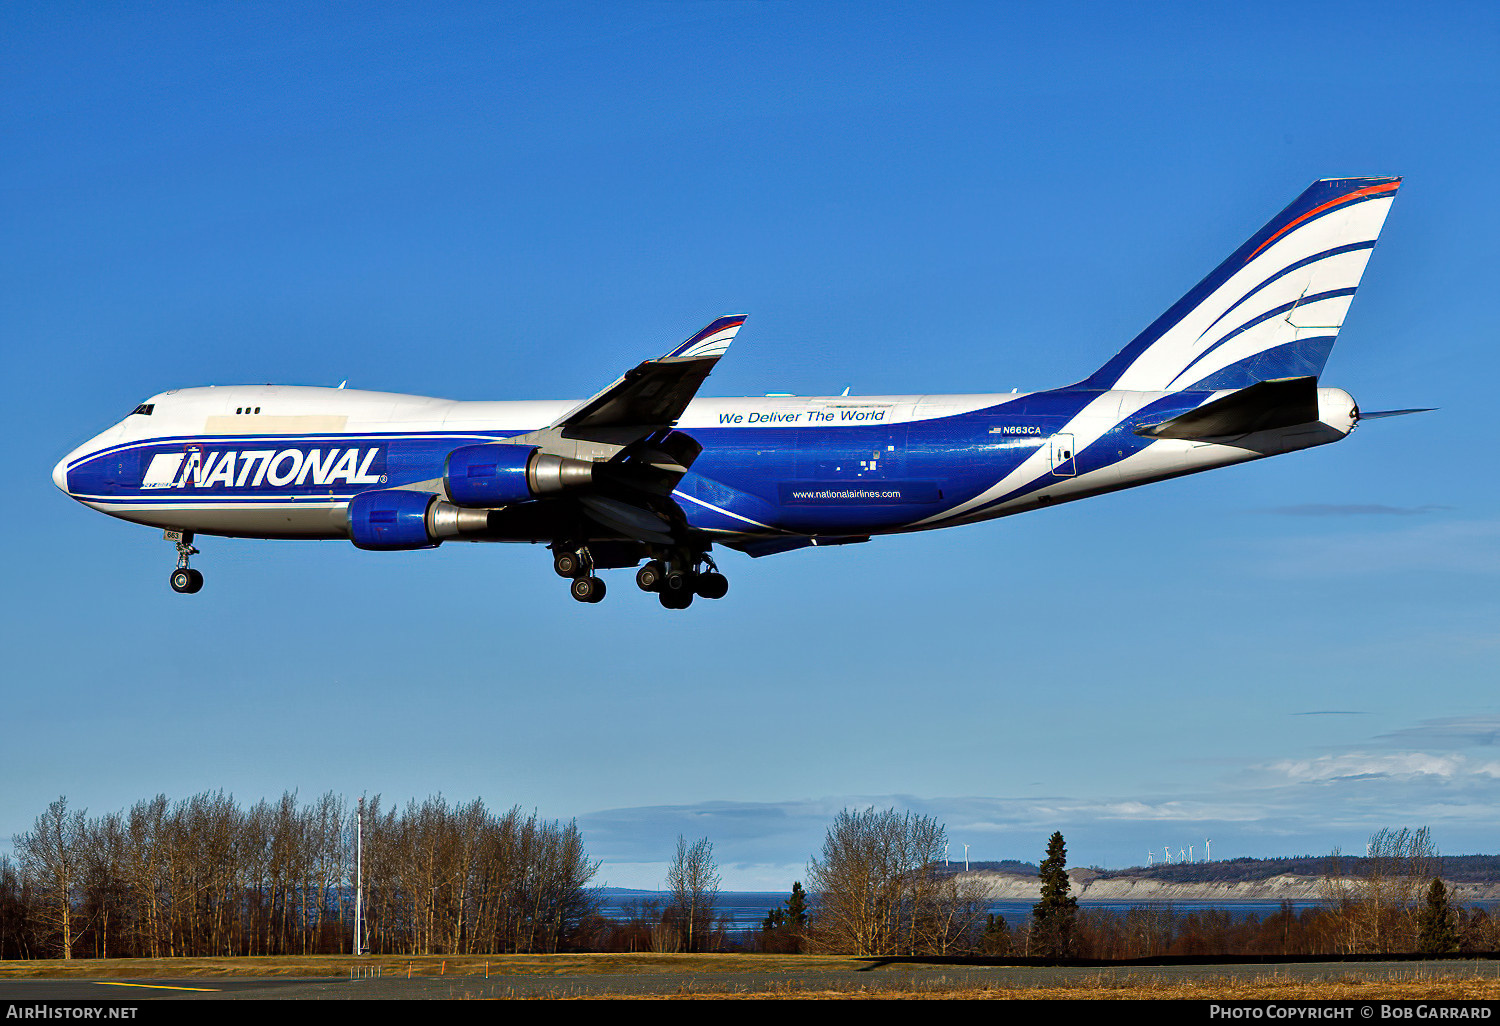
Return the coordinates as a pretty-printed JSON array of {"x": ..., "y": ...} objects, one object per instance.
[
  {"x": 1293, "y": 806},
  {"x": 1381, "y": 765}
]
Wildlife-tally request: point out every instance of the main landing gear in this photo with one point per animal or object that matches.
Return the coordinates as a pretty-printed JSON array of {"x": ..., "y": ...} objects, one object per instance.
[
  {"x": 576, "y": 564},
  {"x": 676, "y": 580},
  {"x": 185, "y": 580}
]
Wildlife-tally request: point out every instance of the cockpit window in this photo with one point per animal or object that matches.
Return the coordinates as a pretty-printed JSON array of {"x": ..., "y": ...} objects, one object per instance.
[{"x": 144, "y": 409}]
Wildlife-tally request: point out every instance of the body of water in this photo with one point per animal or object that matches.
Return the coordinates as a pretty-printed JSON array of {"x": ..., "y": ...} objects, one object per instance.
[{"x": 747, "y": 909}]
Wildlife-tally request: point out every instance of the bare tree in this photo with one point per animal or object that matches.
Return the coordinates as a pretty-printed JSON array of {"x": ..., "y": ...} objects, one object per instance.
[
  {"x": 204, "y": 876},
  {"x": 1376, "y": 911},
  {"x": 52, "y": 857},
  {"x": 693, "y": 881},
  {"x": 104, "y": 890},
  {"x": 877, "y": 889}
]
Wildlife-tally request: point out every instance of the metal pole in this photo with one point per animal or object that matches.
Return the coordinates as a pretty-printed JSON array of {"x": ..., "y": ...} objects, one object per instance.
[{"x": 359, "y": 880}]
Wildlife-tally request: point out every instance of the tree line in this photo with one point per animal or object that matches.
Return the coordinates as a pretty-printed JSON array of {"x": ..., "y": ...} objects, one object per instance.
[
  {"x": 206, "y": 876},
  {"x": 878, "y": 889}
]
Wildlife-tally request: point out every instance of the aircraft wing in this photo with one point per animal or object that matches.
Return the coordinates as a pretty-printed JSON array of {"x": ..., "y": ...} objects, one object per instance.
[{"x": 654, "y": 393}]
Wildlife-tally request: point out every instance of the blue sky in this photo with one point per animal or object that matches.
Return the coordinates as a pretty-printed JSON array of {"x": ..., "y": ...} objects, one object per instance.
[{"x": 519, "y": 201}]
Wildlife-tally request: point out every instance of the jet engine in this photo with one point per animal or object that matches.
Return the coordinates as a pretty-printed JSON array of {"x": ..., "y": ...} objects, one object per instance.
[
  {"x": 499, "y": 474},
  {"x": 392, "y": 519}
]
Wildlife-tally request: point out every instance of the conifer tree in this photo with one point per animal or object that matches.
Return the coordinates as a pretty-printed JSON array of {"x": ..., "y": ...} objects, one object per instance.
[
  {"x": 796, "y": 907},
  {"x": 996, "y": 937},
  {"x": 1435, "y": 934},
  {"x": 783, "y": 928},
  {"x": 1053, "y": 918}
]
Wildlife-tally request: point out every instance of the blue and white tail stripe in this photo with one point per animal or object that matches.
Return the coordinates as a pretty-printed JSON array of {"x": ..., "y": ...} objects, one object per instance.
[
  {"x": 1089, "y": 418},
  {"x": 712, "y": 341},
  {"x": 1274, "y": 308}
]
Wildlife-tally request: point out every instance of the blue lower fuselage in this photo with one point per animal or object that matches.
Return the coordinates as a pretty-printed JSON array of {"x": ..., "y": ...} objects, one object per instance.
[{"x": 830, "y": 480}]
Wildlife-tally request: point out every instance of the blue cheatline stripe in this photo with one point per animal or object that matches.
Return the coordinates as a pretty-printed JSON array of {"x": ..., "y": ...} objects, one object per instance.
[
  {"x": 222, "y": 441},
  {"x": 181, "y": 499},
  {"x": 1338, "y": 251}
]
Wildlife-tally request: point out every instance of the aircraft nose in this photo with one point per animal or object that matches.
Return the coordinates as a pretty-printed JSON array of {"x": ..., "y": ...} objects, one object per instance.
[{"x": 60, "y": 474}]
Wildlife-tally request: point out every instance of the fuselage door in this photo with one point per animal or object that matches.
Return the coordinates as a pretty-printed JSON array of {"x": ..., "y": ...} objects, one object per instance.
[{"x": 1062, "y": 455}]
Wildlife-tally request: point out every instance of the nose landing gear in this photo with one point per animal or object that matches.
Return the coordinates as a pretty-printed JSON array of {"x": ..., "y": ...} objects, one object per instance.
[{"x": 185, "y": 580}]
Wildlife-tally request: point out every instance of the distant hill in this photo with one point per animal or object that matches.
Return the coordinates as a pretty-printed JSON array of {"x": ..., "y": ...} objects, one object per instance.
[
  {"x": 1299, "y": 878},
  {"x": 1483, "y": 869},
  {"x": 1003, "y": 866}
]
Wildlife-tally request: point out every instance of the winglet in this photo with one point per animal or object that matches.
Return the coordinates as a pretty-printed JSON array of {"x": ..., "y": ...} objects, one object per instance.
[
  {"x": 654, "y": 394},
  {"x": 711, "y": 341}
]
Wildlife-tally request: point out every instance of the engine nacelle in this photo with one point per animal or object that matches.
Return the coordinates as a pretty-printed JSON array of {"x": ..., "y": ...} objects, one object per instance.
[
  {"x": 500, "y": 474},
  {"x": 393, "y": 519},
  {"x": 390, "y": 519}
]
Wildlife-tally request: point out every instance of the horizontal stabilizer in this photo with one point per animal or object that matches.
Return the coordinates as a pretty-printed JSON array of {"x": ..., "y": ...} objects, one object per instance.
[
  {"x": 1378, "y": 414},
  {"x": 1278, "y": 403}
]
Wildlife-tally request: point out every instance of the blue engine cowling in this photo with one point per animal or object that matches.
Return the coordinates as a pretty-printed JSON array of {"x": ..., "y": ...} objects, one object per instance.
[
  {"x": 501, "y": 474},
  {"x": 489, "y": 475},
  {"x": 391, "y": 519}
]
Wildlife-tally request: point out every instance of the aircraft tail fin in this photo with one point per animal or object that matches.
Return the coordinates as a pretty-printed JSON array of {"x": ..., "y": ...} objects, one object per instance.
[{"x": 1273, "y": 309}]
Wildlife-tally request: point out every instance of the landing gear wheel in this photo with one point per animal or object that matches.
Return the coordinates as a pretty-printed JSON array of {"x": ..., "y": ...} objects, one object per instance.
[
  {"x": 587, "y": 589},
  {"x": 567, "y": 564},
  {"x": 712, "y": 585},
  {"x": 186, "y": 581},
  {"x": 649, "y": 577},
  {"x": 676, "y": 599}
]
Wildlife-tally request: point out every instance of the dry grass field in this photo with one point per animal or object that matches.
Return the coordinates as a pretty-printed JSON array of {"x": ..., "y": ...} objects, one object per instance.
[
  {"x": 1264, "y": 988},
  {"x": 422, "y": 965},
  {"x": 713, "y": 976}
]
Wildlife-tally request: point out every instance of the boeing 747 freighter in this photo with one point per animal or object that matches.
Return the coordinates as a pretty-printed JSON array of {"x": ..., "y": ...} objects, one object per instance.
[{"x": 647, "y": 475}]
